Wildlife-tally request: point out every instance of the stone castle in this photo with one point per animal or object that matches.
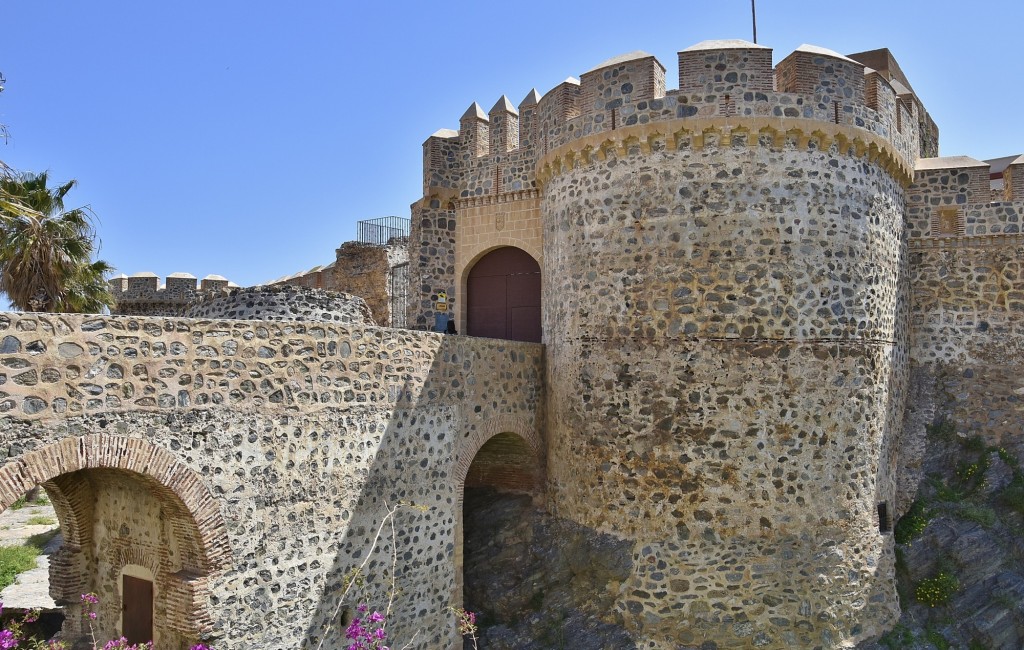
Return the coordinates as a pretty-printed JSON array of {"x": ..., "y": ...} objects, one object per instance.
[{"x": 712, "y": 323}]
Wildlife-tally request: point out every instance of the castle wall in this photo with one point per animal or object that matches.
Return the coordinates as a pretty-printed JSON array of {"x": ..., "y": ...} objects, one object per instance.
[
  {"x": 361, "y": 269},
  {"x": 726, "y": 373},
  {"x": 300, "y": 435},
  {"x": 717, "y": 79},
  {"x": 432, "y": 250},
  {"x": 364, "y": 270},
  {"x": 281, "y": 303},
  {"x": 966, "y": 305},
  {"x": 141, "y": 295}
]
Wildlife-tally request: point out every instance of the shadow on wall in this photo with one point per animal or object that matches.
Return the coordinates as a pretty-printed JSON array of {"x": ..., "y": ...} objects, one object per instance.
[
  {"x": 422, "y": 458},
  {"x": 283, "y": 443}
]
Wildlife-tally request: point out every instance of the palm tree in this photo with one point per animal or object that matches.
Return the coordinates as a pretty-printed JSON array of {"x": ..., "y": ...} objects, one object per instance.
[{"x": 46, "y": 251}]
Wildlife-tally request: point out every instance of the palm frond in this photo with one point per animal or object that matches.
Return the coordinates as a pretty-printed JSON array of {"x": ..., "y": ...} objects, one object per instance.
[{"x": 46, "y": 251}]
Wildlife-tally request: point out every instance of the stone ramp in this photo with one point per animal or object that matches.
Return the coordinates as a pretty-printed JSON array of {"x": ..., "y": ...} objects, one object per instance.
[{"x": 31, "y": 589}]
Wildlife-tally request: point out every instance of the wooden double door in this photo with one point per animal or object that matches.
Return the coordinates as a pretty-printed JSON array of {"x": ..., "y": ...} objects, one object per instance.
[{"x": 503, "y": 296}]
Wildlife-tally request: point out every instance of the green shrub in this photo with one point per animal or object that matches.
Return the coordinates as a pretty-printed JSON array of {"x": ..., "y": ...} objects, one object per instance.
[
  {"x": 1009, "y": 459},
  {"x": 968, "y": 471},
  {"x": 941, "y": 429},
  {"x": 40, "y": 520},
  {"x": 979, "y": 514},
  {"x": 935, "y": 638},
  {"x": 1012, "y": 497},
  {"x": 15, "y": 560},
  {"x": 936, "y": 591},
  {"x": 912, "y": 524},
  {"x": 975, "y": 443},
  {"x": 943, "y": 492},
  {"x": 897, "y": 638}
]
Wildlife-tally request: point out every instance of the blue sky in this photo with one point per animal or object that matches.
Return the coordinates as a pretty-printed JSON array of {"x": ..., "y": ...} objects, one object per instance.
[{"x": 247, "y": 138}]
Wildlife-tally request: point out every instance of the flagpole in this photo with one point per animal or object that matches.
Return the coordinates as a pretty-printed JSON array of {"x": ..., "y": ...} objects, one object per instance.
[{"x": 753, "y": 17}]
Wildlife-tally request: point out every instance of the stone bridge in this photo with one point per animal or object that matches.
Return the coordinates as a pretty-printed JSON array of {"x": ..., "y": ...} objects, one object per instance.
[{"x": 247, "y": 468}]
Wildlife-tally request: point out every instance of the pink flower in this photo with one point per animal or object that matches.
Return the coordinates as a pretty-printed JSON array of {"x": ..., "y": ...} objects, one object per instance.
[{"x": 8, "y": 640}]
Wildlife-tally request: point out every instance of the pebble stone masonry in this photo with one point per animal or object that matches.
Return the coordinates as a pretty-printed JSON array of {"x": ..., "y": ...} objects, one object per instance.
[
  {"x": 758, "y": 291},
  {"x": 247, "y": 465}
]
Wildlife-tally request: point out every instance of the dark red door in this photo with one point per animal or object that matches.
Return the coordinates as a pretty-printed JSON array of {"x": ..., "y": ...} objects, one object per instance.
[
  {"x": 137, "y": 611},
  {"x": 503, "y": 296}
]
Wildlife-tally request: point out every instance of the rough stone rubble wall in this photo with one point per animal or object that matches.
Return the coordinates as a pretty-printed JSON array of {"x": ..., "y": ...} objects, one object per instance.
[
  {"x": 363, "y": 270},
  {"x": 303, "y": 434},
  {"x": 726, "y": 373},
  {"x": 967, "y": 303},
  {"x": 281, "y": 303}
]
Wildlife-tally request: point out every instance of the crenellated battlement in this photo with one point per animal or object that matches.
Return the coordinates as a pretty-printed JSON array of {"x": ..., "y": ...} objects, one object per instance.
[
  {"x": 956, "y": 199},
  {"x": 142, "y": 294},
  {"x": 499, "y": 151}
]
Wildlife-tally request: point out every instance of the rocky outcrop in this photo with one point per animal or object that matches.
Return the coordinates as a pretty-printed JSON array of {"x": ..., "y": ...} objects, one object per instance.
[
  {"x": 539, "y": 582},
  {"x": 960, "y": 549}
]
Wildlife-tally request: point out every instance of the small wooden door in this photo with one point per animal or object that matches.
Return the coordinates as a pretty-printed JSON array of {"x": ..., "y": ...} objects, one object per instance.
[
  {"x": 503, "y": 296},
  {"x": 137, "y": 610}
]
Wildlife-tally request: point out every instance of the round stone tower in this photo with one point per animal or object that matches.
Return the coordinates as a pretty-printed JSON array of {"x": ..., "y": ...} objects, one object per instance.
[{"x": 723, "y": 286}]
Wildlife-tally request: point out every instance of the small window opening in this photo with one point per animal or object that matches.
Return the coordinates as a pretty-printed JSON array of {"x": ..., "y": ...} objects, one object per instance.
[
  {"x": 727, "y": 106},
  {"x": 836, "y": 108},
  {"x": 884, "y": 525},
  {"x": 948, "y": 222},
  {"x": 613, "y": 118}
]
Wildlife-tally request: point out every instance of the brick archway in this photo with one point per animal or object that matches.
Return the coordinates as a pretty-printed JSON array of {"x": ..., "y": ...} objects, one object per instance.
[
  {"x": 63, "y": 469},
  {"x": 477, "y": 438},
  {"x": 105, "y": 451},
  {"x": 519, "y": 427}
]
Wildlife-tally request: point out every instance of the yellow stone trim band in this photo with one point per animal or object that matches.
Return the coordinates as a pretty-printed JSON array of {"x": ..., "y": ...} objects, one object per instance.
[
  {"x": 675, "y": 133},
  {"x": 968, "y": 241},
  {"x": 491, "y": 199}
]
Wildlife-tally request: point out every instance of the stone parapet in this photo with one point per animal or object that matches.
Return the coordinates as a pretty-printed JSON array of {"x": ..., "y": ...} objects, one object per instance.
[
  {"x": 281, "y": 303},
  {"x": 211, "y": 450}
]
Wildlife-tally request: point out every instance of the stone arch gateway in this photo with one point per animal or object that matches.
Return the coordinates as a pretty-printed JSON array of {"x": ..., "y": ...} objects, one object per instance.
[
  {"x": 126, "y": 502},
  {"x": 507, "y": 455}
]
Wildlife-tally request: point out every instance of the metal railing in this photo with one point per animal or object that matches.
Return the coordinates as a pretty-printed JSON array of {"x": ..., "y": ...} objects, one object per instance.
[{"x": 381, "y": 230}]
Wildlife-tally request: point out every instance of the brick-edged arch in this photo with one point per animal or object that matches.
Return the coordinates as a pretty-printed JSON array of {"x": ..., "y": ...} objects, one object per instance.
[
  {"x": 471, "y": 444},
  {"x": 46, "y": 465},
  {"x": 465, "y": 454}
]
